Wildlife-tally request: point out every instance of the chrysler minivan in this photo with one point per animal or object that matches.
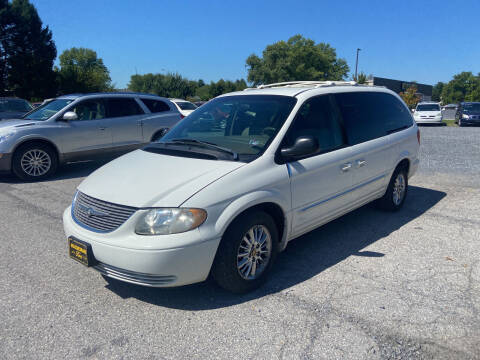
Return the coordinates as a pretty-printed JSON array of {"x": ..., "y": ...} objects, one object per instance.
[{"x": 225, "y": 190}]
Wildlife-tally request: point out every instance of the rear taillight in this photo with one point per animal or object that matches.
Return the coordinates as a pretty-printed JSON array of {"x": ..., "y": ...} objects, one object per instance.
[{"x": 418, "y": 136}]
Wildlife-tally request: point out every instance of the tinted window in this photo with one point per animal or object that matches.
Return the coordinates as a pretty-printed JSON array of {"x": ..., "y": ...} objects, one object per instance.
[
  {"x": 363, "y": 115},
  {"x": 89, "y": 110},
  {"x": 122, "y": 107},
  {"x": 395, "y": 114},
  {"x": 184, "y": 105},
  {"x": 472, "y": 107},
  {"x": 317, "y": 118},
  {"x": 155, "y": 106},
  {"x": 428, "y": 107}
]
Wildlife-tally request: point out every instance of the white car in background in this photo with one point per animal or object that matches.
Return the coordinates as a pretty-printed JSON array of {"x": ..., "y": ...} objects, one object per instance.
[
  {"x": 428, "y": 113},
  {"x": 184, "y": 107},
  {"x": 229, "y": 186}
]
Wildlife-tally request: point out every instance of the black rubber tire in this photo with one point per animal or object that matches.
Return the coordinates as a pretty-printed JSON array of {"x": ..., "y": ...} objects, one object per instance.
[
  {"x": 386, "y": 202},
  {"x": 460, "y": 122},
  {"x": 17, "y": 156},
  {"x": 224, "y": 269}
]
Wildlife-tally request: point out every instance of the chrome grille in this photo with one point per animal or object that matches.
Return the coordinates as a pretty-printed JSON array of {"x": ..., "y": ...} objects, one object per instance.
[{"x": 98, "y": 215}]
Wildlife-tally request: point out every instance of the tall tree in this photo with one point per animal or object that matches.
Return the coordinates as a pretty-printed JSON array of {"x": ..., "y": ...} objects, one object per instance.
[
  {"x": 463, "y": 86},
  {"x": 437, "y": 91},
  {"x": 298, "y": 58},
  {"x": 82, "y": 71},
  {"x": 27, "y": 52}
]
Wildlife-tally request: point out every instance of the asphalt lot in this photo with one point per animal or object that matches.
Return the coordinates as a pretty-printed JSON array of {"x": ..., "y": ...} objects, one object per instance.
[{"x": 370, "y": 285}]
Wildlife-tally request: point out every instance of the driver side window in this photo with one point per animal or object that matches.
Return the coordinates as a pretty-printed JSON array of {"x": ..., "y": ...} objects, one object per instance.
[
  {"x": 318, "y": 118},
  {"x": 89, "y": 110}
]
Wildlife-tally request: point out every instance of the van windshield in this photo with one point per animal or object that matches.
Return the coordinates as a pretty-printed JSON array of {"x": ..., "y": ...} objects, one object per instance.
[
  {"x": 46, "y": 111},
  {"x": 428, "y": 107},
  {"x": 243, "y": 124}
]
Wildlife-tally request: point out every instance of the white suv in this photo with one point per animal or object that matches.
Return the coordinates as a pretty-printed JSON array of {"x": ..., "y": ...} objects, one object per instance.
[{"x": 230, "y": 185}]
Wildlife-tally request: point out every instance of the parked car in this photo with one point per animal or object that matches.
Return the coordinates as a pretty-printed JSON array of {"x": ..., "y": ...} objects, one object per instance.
[
  {"x": 428, "y": 113},
  {"x": 200, "y": 103},
  {"x": 230, "y": 185},
  {"x": 11, "y": 108},
  {"x": 468, "y": 114},
  {"x": 184, "y": 107},
  {"x": 81, "y": 127}
]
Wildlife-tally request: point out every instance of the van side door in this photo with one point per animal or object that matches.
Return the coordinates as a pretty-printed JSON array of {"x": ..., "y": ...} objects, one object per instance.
[
  {"x": 363, "y": 115},
  {"x": 321, "y": 182}
]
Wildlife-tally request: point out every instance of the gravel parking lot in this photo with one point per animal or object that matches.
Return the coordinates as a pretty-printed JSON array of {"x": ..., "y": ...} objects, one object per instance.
[{"x": 370, "y": 285}]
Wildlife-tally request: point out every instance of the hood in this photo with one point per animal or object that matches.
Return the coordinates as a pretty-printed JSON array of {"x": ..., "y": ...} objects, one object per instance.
[
  {"x": 12, "y": 123},
  {"x": 144, "y": 179}
]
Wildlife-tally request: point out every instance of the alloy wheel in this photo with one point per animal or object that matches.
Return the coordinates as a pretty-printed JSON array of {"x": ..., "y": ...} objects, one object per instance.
[
  {"x": 399, "y": 188},
  {"x": 254, "y": 252},
  {"x": 36, "y": 162}
]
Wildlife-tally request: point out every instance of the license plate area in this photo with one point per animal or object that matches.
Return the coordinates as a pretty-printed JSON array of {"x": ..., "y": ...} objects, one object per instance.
[{"x": 81, "y": 251}]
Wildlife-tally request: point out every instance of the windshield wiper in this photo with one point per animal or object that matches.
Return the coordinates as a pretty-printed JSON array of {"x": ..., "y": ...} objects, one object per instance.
[{"x": 205, "y": 144}]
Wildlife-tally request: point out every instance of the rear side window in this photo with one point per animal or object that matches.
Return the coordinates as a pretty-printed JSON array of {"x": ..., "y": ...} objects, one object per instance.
[
  {"x": 317, "y": 118},
  {"x": 155, "y": 106},
  {"x": 363, "y": 116},
  {"x": 118, "y": 107},
  {"x": 396, "y": 115}
]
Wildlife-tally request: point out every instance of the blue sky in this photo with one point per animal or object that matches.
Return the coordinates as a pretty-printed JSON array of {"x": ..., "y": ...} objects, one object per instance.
[{"x": 421, "y": 40}]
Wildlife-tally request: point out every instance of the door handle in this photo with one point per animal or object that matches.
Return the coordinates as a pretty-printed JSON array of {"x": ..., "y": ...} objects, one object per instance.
[
  {"x": 361, "y": 163},
  {"x": 346, "y": 167},
  {"x": 102, "y": 128}
]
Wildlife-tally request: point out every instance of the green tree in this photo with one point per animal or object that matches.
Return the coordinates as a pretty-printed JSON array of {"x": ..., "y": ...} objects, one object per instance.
[
  {"x": 361, "y": 78},
  {"x": 437, "y": 91},
  {"x": 463, "y": 87},
  {"x": 410, "y": 96},
  {"x": 168, "y": 85},
  {"x": 27, "y": 52},
  {"x": 82, "y": 71},
  {"x": 298, "y": 58}
]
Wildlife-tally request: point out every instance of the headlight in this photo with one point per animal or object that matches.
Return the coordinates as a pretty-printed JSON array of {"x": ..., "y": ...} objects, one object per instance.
[
  {"x": 165, "y": 221},
  {"x": 464, "y": 116},
  {"x": 6, "y": 134}
]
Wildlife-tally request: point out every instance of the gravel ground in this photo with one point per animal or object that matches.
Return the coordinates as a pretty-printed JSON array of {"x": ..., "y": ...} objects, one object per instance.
[{"x": 370, "y": 285}]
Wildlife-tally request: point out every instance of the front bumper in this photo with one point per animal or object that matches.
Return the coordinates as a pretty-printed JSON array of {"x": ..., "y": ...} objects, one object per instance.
[
  {"x": 429, "y": 120},
  {"x": 5, "y": 163},
  {"x": 147, "y": 266}
]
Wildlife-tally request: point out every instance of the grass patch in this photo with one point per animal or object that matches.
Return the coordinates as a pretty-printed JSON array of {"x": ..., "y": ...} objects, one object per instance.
[{"x": 450, "y": 122}]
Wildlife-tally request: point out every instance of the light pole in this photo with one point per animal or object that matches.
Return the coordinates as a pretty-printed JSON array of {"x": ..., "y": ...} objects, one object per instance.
[{"x": 356, "y": 64}]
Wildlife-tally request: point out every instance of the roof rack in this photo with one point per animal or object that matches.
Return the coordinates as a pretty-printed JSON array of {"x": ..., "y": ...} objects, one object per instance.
[{"x": 314, "y": 84}]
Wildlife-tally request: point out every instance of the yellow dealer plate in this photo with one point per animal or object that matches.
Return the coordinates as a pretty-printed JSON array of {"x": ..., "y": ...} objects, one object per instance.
[{"x": 79, "y": 250}]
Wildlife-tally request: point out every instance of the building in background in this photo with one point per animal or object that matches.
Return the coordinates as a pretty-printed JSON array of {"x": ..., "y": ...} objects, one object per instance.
[{"x": 425, "y": 91}]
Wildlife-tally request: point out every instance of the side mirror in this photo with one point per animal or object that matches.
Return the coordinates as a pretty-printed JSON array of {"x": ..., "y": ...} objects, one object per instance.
[
  {"x": 69, "y": 116},
  {"x": 304, "y": 145}
]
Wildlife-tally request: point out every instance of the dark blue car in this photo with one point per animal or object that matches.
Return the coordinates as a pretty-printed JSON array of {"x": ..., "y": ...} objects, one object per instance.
[
  {"x": 13, "y": 108},
  {"x": 468, "y": 114}
]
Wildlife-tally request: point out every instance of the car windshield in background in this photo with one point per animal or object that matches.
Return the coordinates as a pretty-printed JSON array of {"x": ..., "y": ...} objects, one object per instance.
[
  {"x": 243, "y": 124},
  {"x": 473, "y": 107},
  {"x": 428, "y": 107},
  {"x": 186, "y": 105},
  {"x": 46, "y": 111},
  {"x": 13, "y": 105}
]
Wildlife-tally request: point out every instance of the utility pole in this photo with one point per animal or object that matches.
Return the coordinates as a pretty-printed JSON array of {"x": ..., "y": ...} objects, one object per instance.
[{"x": 356, "y": 65}]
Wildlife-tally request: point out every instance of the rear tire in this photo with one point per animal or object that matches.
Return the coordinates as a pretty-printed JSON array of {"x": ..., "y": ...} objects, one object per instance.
[
  {"x": 396, "y": 193},
  {"x": 159, "y": 134},
  {"x": 239, "y": 267},
  {"x": 34, "y": 161}
]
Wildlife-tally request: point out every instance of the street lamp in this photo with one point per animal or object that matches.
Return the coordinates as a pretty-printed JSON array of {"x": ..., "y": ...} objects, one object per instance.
[{"x": 356, "y": 65}]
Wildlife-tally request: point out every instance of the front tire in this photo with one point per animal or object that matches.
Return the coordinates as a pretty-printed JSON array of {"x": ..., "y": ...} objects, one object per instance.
[
  {"x": 34, "y": 161},
  {"x": 246, "y": 253},
  {"x": 397, "y": 189}
]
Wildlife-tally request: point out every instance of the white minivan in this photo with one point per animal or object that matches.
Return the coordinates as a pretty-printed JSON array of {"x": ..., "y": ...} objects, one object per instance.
[{"x": 231, "y": 184}]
